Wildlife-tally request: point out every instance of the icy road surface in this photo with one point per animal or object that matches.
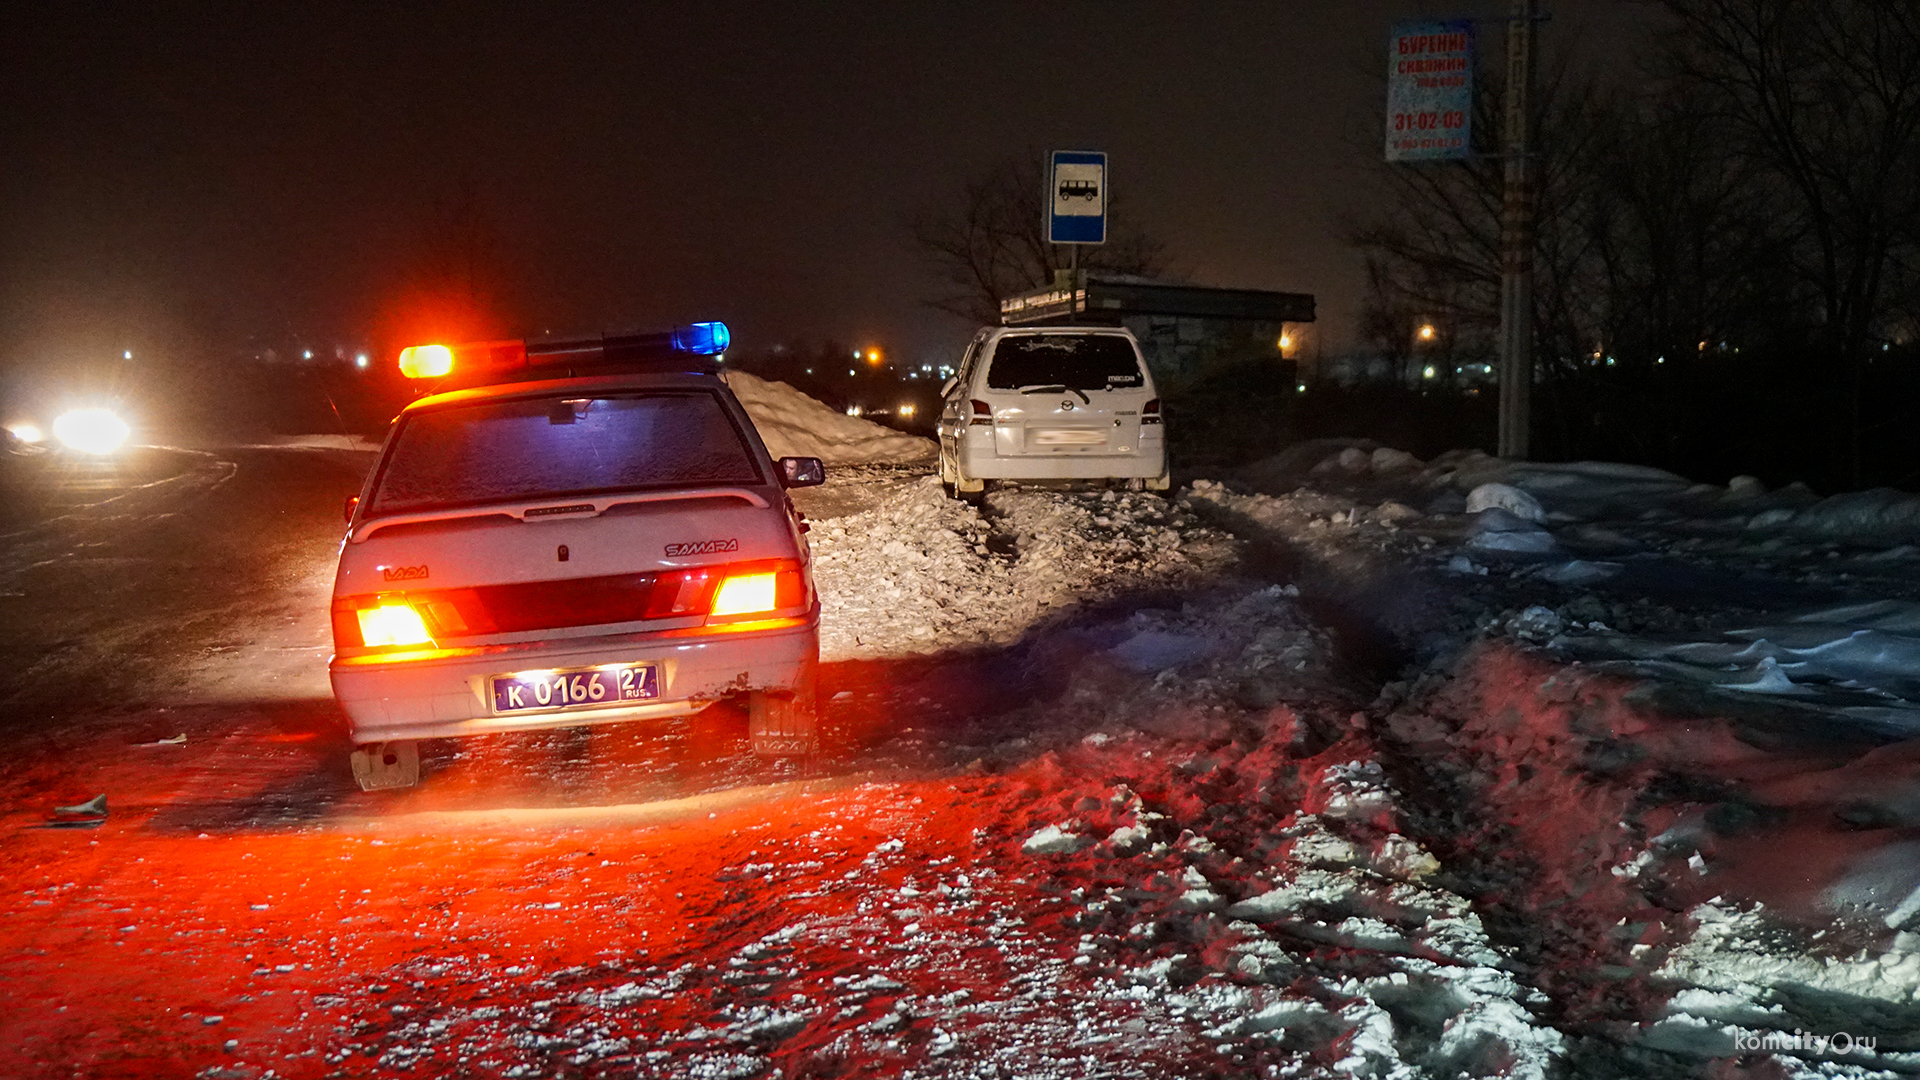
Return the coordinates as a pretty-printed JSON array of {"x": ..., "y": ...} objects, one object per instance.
[{"x": 1261, "y": 780}]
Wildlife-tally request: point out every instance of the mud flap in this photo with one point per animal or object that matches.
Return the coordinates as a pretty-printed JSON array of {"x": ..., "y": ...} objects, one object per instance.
[
  {"x": 785, "y": 723},
  {"x": 381, "y": 766},
  {"x": 1161, "y": 482}
]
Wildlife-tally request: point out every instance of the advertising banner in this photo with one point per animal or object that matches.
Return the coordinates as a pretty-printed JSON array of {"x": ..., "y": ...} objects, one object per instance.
[{"x": 1430, "y": 91}]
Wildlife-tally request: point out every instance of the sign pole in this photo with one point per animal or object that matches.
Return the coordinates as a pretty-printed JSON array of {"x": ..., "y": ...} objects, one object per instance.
[{"x": 1516, "y": 242}]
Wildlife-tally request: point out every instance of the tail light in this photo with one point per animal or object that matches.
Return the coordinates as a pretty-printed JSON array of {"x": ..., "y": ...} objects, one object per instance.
[
  {"x": 1150, "y": 412},
  {"x": 982, "y": 413},
  {"x": 379, "y": 622},
  {"x": 730, "y": 592}
]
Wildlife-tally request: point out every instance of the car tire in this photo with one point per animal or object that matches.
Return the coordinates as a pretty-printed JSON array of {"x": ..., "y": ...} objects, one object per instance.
[
  {"x": 966, "y": 488},
  {"x": 786, "y": 723}
]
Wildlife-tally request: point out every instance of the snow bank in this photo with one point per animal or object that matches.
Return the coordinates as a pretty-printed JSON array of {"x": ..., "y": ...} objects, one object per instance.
[
  {"x": 923, "y": 572},
  {"x": 795, "y": 425}
]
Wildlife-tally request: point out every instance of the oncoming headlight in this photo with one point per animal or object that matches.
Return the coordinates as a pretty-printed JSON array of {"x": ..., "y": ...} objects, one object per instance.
[{"x": 91, "y": 431}]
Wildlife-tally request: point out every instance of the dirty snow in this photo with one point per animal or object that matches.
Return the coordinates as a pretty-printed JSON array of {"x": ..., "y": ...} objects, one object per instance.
[{"x": 795, "y": 425}]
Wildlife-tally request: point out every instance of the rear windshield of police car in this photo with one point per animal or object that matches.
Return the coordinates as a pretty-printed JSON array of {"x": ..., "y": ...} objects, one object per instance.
[
  {"x": 555, "y": 447},
  {"x": 1076, "y": 361}
]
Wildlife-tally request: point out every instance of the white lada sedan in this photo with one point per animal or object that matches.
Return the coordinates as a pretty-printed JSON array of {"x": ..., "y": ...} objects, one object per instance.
[{"x": 593, "y": 534}]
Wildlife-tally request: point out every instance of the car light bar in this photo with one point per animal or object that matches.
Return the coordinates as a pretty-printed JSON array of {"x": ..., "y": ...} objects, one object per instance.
[{"x": 502, "y": 361}]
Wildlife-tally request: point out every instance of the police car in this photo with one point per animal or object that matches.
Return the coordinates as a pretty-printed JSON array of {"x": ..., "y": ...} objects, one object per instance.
[{"x": 574, "y": 532}]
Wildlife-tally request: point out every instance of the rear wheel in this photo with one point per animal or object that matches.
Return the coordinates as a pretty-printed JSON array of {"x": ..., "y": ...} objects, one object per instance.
[
  {"x": 964, "y": 485},
  {"x": 387, "y": 765},
  {"x": 786, "y": 723}
]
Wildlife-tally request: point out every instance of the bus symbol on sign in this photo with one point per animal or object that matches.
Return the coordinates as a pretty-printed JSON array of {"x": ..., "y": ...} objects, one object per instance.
[{"x": 1079, "y": 189}]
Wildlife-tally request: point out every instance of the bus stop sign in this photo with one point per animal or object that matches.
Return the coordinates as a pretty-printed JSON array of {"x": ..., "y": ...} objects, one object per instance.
[{"x": 1077, "y": 197}]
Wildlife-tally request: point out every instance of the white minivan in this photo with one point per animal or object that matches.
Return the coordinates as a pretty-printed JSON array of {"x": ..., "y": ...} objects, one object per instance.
[{"x": 1052, "y": 403}]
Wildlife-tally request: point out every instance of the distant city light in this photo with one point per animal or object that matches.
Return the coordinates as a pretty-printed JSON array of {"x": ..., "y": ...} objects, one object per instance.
[
  {"x": 873, "y": 356},
  {"x": 905, "y": 410},
  {"x": 850, "y": 371},
  {"x": 127, "y": 355},
  {"x": 1302, "y": 388},
  {"x": 854, "y": 410},
  {"x": 1428, "y": 373},
  {"x": 1427, "y": 332},
  {"x": 360, "y": 360},
  {"x": 306, "y": 354},
  {"x": 1286, "y": 342}
]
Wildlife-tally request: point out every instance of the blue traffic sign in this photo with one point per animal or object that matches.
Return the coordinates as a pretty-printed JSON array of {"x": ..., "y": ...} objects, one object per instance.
[{"x": 1077, "y": 197}]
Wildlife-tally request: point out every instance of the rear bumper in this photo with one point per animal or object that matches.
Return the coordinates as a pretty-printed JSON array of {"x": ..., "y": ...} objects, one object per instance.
[
  {"x": 981, "y": 462},
  {"x": 437, "y": 694}
]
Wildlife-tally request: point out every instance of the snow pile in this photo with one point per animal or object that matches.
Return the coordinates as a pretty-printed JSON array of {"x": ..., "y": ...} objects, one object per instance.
[
  {"x": 795, "y": 425},
  {"x": 1749, "y": 989},
  {"x": 1860, "y": 661},
  {"x": 1307, "y": 922},
  {"x": 922, "y": 572}
]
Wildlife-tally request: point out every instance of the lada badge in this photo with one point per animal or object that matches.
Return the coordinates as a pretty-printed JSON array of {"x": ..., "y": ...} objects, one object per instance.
[{"x": 704, "y": 547}]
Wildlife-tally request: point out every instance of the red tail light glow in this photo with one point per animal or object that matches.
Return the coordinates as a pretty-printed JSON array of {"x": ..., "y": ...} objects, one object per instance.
[
  {"x": 716, "y": 595},
  {"x": 1150, "y": 413},
  {"x": 392, "y": 623},
  {"x": 982, "y": 413}
]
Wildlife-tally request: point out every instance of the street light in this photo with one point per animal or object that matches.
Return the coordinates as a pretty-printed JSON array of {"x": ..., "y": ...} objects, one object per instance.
[{"x": 1427, "y": 332}]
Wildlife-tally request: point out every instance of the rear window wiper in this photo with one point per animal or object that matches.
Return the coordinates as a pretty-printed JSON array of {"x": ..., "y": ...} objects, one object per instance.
[{"x": 1057, "y": 388}]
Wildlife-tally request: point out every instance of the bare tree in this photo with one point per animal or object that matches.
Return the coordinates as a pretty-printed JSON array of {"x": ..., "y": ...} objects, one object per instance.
[
  {"x": 1824, "y": 97},
  {"x": 991, "y": 243}
]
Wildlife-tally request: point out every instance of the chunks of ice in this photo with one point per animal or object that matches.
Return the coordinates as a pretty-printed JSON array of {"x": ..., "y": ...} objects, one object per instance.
[
  {"x": 1158, "y": 650},
  {"x": 1054, "y": 840},
  {"x": 1508, "y": 498}
]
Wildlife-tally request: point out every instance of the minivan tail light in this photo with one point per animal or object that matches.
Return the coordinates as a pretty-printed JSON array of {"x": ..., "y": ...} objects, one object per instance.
[
  {"x": 1150, "y": 412},
  {"x": 982, "y": 413}
]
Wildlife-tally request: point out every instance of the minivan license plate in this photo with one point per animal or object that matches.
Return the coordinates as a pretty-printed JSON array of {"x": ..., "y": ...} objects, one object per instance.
[
  {"x": 580, "y": 688},
  {"x": 1068, "y": 437}
]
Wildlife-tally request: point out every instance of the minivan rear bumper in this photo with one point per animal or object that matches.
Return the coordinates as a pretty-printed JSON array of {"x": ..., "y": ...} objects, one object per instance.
[
  {"x": 447, "y": 693},
  {"x": 979, "y": 460}
]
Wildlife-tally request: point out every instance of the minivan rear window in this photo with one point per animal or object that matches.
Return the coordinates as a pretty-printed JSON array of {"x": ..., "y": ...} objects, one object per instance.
[
  {"x": 560, "y": 446},
  {"x": 1077, "y": 361}
]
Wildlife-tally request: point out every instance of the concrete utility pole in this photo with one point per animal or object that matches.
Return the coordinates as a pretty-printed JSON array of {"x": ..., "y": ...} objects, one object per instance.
[{"x": 1516, "y": 241}]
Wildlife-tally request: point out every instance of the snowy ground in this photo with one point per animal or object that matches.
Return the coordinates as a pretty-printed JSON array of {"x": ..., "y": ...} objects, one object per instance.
[{"x": 1346, "y": 765}]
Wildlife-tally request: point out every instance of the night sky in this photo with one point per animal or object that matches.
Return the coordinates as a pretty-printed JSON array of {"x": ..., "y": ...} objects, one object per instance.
[{"x": 197, "y": 174}]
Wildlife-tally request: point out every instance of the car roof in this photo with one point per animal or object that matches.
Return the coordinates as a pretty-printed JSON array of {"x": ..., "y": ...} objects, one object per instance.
[
  {"x": 997, "y": 332},
  {"x": 638, "y": 380}
]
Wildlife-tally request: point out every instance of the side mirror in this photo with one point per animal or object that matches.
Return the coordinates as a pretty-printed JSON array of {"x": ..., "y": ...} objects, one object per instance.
[
  {"x": 951, "y": 383},
  {"x": 802, "y": 472},
  {"x": 353, "y": 503}
]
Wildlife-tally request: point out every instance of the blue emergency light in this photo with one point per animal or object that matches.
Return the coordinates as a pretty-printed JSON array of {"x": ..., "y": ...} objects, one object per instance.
[{"x": 703, "y": 338}]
